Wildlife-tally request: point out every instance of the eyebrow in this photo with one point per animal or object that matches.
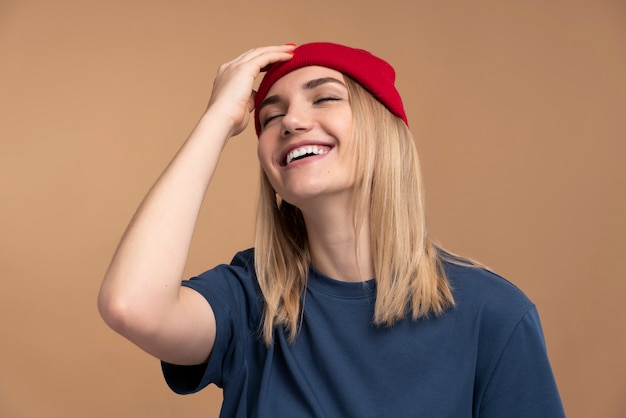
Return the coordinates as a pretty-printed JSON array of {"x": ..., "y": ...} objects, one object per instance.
[{"x": 309, "y": 85}]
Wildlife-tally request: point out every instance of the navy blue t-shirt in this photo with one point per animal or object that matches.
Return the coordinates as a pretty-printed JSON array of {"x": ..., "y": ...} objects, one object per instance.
[{"x": 486, "y": 357}]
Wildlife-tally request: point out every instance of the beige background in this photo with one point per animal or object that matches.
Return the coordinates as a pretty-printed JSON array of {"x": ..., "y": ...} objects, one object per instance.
[{"x": 519, "y": 112}]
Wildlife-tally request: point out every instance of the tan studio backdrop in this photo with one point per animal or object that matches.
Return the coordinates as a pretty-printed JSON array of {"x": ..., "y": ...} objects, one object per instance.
[{"x": 519, "y": 109}]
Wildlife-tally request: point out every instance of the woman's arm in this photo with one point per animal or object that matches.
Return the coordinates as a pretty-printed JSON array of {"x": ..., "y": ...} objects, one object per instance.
[{"x": 141, "y": 297}]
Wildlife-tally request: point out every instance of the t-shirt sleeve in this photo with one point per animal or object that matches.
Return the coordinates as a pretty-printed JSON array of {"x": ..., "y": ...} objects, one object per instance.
[
  {"x": 522, "y": 383},
  {"x": 232, "y": 292}
]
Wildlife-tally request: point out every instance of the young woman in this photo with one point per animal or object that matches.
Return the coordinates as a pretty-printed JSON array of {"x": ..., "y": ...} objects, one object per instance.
[{"x": 345, "y": 307}]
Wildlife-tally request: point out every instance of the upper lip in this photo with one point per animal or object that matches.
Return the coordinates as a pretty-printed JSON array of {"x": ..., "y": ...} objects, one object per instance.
[{"x": 303, "y": 143}]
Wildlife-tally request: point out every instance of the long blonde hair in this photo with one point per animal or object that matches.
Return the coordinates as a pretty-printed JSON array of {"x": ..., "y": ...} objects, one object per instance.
[{"x": 408, "y": 269}]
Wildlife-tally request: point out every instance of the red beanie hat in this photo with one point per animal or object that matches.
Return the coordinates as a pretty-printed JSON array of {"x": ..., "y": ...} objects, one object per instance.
[{"x": 371, "y": 72}]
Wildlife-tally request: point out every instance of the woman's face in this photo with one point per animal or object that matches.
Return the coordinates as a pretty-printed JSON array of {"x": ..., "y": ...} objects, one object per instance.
[{"x": 305, "y": 146}]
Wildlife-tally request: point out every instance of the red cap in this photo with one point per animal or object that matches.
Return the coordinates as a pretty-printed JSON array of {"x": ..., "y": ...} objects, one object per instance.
[{"x": 371, "y": 72}]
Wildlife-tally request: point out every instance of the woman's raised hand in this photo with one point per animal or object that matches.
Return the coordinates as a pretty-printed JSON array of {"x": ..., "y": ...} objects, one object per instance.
[{"x": 233, "y": 94}]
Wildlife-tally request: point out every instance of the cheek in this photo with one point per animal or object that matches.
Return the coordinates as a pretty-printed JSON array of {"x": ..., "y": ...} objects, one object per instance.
[
  {"x": 264, "y": 155},
  {"x": 344, "y": 125}
]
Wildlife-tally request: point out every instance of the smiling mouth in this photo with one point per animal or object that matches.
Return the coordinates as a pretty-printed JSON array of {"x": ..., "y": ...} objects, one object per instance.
[{"x": 304, "y": 152}]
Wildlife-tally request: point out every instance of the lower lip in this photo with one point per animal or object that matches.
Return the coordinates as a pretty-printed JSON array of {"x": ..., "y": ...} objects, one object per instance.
[{"x": 311, "y": 159}]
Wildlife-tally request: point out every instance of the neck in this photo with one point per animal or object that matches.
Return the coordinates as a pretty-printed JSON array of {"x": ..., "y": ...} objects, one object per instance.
[{"x": 336, "y": 249}]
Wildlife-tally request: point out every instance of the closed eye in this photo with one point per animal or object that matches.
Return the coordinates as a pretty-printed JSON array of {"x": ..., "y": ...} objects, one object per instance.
[
  {"x": 269, "y": 119},
  {"x": 326, "y": 99}
]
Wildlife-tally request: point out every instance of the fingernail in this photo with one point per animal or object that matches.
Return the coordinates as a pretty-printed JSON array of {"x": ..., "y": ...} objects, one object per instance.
[{"x": 291, "y": 44}]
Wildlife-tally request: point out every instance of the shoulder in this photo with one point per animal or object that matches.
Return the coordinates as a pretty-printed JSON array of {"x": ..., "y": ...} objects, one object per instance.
[
  {"x": 229, "y": 287},
  {"x": 492, "y": 306},
  {"x": 244, "y": 259},
  {"x": 240, "y": 269},
  {"x": 476, "y": 287}
]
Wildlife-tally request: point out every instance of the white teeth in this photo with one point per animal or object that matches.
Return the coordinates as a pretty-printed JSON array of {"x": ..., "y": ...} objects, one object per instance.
[{"x": 303, "y": 151}]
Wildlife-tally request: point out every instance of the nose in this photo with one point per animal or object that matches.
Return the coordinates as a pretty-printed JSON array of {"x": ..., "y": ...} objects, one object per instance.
[{"x": 297, "y": 119}]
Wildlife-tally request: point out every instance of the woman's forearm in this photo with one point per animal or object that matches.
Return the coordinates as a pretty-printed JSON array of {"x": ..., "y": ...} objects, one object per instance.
[{"x": 145, "y": 272}]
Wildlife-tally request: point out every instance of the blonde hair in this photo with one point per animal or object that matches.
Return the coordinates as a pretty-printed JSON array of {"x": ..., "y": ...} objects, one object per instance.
[{"x": 408, "y": 269}]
